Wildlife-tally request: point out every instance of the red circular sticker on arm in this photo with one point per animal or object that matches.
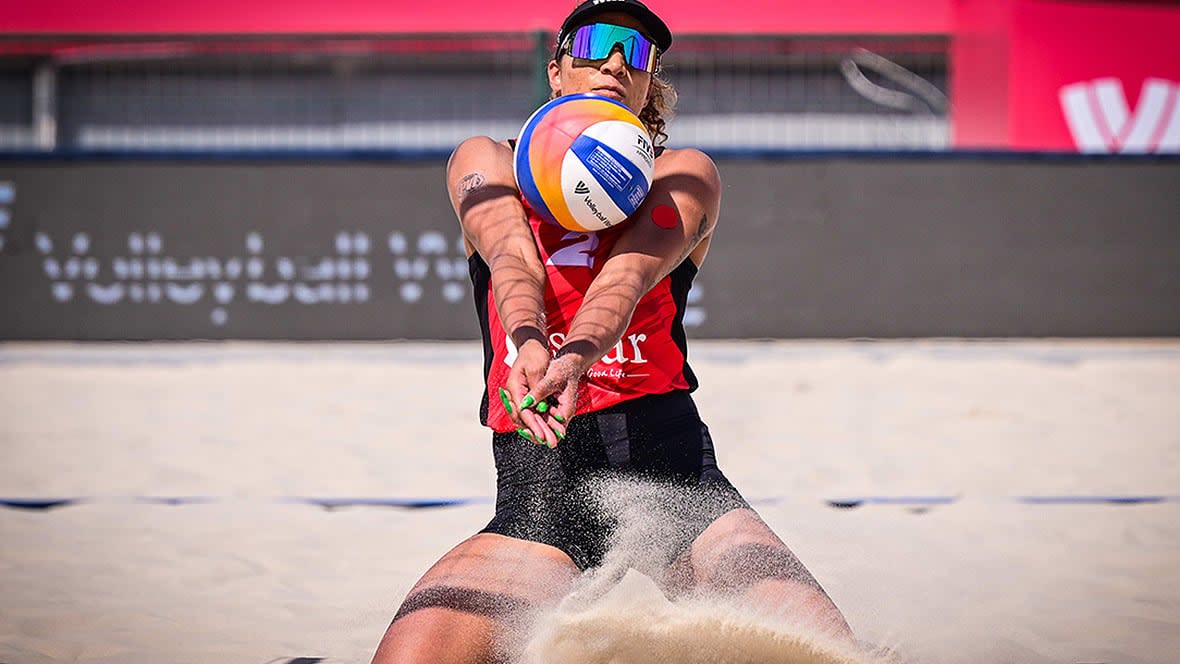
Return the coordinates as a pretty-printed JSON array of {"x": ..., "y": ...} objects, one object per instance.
[{"x": 665, "y": 216}]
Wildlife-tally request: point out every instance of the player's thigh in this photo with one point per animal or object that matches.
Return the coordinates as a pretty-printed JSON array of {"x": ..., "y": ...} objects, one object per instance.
[
  {"x": 498, "y": 564},
  {"x": 465, "y": 607},
  {"x": 738, "y": 550},
  {"x": 739, "y": 555}
]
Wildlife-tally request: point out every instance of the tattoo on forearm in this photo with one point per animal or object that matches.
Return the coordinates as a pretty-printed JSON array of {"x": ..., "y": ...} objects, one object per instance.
[
  {"x": 470, "y": 183},
  {"x": 702, "y": 231}
]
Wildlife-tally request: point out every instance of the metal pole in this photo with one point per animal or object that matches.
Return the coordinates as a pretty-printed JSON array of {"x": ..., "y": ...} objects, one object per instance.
[{"x": 45, "y": 106}]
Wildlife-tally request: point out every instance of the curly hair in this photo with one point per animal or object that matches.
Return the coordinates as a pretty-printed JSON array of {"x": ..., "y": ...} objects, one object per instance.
[{"x": 660, "y": 106}]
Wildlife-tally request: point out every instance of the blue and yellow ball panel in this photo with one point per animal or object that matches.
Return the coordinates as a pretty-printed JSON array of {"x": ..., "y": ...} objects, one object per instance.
[{"x": 599, "y": 134}]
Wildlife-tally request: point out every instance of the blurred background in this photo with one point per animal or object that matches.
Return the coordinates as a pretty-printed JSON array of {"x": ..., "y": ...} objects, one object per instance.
[
  {"x": 917, "y": 168},
  {"x": 994, "y": 184}
]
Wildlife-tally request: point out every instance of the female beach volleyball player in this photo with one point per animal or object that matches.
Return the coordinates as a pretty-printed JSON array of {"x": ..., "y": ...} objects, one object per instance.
[{"x": 586, "y": 376}]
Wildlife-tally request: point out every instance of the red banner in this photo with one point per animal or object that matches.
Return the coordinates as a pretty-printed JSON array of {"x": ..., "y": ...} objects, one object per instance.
[
  {"x": 1076, "y": 75},
  {"x": 1094, "y": 77},
  {"x": 138, "y": 17}
]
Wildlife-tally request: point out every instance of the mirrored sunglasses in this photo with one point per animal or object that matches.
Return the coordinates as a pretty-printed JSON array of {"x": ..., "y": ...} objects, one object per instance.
[{"x": 597, "y": 41}]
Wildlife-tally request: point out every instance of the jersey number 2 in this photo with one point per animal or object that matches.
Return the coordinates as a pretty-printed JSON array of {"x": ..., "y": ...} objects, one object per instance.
[{"x": 578, "y": 254}]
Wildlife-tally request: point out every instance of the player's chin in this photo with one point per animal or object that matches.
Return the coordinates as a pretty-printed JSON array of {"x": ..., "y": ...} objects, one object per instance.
[{"x": 609, "y": 93}]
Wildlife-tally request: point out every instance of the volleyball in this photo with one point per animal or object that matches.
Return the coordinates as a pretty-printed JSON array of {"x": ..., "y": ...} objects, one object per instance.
[{"x": 584, "y": 162}]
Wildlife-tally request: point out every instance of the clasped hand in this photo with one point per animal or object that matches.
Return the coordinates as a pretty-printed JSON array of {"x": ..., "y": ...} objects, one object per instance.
[{"x": 541, "y": 394}]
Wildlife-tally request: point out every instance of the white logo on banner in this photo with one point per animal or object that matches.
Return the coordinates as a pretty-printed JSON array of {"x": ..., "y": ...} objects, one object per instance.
[
  {"x": 1101, "y": 122},
  {"x": 145, "y": 275}
]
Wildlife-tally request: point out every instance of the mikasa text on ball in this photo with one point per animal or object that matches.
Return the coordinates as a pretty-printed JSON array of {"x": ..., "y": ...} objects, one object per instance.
[{"x": 584, "y": 162}]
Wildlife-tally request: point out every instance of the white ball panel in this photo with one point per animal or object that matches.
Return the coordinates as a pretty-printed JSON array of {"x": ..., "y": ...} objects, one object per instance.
[
  {"x": 586, "y": 199},
  {"x": 626, "y": 139}
]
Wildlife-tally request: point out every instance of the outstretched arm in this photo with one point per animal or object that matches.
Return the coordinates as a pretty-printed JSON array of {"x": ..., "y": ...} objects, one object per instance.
[
  {"x": 674, "y": 223},
  {"x": 485, "y": 197}
]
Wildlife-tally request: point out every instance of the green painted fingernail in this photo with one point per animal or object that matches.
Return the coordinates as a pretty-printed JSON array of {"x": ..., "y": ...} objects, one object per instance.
[
  {"x": 527, "y": 435},
  {"x": 560, "y": 435},
  {"x": 559, "y": 418},
  {"x": 542, "y": 407},
  {"x": 528, "y": 401},
  {"x": 506, "y": 400}
]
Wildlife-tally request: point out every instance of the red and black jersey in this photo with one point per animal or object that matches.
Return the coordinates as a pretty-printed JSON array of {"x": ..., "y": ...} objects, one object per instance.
[{"x": 650, "y": 358}]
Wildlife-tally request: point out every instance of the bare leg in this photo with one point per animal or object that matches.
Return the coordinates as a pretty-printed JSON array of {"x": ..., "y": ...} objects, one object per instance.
[
  {"x": 462, "y": 609},
  {"x": 739, "y": 555}
]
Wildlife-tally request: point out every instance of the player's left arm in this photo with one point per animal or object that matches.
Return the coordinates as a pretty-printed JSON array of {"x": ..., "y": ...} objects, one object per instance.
[{"x": 675, "y": 222}]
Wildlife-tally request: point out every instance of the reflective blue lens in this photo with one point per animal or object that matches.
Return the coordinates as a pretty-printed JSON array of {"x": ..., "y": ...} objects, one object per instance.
[{"x": 597, "y": 41}]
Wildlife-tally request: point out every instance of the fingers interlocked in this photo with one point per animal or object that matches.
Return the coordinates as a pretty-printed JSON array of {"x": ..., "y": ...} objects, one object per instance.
[{"x": 541, "y": 419}]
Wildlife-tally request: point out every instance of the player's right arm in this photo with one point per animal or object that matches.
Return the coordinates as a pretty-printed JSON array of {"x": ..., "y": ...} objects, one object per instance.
[{"x": 485, "y": 197}]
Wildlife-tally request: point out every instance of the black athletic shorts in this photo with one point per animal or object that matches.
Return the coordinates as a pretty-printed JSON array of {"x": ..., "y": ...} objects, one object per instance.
[{"x": 644, "y": 468}]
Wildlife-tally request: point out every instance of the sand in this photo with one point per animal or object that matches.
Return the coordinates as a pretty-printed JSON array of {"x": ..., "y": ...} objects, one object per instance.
[{"x": 192, "y": 537}]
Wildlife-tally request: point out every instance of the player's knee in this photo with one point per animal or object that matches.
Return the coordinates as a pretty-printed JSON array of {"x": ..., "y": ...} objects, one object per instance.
[{"x": 741, "y": 566}]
